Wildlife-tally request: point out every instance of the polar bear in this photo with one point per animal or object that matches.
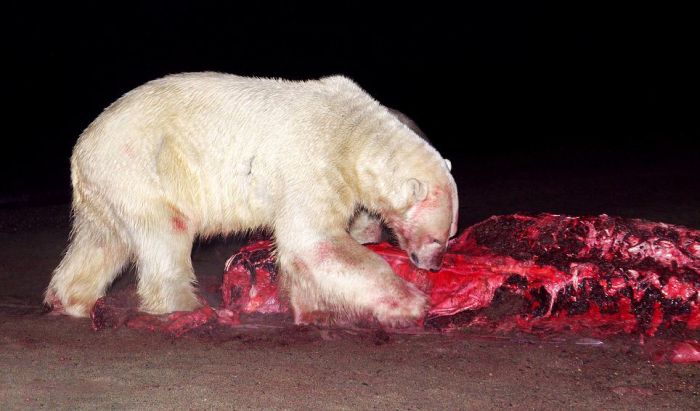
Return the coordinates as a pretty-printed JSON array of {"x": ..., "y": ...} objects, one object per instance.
[{"x": 202, "y": 154}]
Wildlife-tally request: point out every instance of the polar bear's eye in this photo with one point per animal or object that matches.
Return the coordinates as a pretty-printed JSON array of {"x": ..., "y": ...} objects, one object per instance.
[{"x": 436, "y": 241}]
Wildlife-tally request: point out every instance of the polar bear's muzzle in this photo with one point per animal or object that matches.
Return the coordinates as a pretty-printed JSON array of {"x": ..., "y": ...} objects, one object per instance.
[{"x": 428, "y": 259}]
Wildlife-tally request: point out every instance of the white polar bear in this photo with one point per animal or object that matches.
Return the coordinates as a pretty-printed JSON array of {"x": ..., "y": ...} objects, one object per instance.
[{"x": 201, "y": 154}]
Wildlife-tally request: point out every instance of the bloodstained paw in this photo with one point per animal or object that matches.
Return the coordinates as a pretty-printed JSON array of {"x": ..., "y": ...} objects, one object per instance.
[
  {"x": 319, "y": 318},
  {"x": 53, "y": 307}
]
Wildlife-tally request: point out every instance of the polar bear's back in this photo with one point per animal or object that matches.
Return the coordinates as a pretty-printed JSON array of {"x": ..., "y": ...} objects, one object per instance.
[
  {"x": 225, "y": 113},
  {"x": 201, "y": 141}
]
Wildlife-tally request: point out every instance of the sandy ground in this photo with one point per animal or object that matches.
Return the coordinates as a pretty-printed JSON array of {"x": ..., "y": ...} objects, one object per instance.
[{"x": 61, "y": 363}]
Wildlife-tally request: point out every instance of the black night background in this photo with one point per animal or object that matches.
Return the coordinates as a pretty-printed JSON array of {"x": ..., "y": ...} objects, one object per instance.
[{"x": 587, "y": 99}]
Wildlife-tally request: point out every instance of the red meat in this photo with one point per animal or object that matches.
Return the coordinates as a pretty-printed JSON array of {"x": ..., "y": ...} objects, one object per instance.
[{"x": 563, "y": 273}]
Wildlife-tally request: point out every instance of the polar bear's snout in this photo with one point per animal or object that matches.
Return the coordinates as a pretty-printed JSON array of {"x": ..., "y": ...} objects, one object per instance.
[
  {"x": 428, "y": 257},
  {"x": 433, "y": 264},
  {"x": 424, "y": 230}
]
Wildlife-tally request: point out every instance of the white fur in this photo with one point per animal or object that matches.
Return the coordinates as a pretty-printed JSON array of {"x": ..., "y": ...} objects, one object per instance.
[{"x": 201, "y": 154}]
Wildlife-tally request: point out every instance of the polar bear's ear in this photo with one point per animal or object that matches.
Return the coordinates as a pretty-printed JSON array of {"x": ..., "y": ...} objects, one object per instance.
[
  {"x": 448, "y": 163},
  {"x": 416, "y": 189}
]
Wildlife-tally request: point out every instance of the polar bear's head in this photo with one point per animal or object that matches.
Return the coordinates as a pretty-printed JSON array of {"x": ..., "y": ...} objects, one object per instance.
[{"x": 428, "y": 218}]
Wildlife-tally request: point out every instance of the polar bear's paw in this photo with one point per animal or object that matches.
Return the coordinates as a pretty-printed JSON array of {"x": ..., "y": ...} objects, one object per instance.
[
  {"x": 74, "y": 305},
  {"x": 403, "y": 308},
  {"x": 317, "y": 318},
  {"x": 184, "y": 300}
]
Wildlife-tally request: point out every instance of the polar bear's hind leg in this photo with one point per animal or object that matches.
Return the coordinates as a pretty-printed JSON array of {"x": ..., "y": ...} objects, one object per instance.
[{"x": 95, "y": 256}]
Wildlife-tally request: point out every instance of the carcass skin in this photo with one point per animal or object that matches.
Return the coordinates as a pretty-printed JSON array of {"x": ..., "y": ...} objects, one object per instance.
[{"x": 600, "y": 274}]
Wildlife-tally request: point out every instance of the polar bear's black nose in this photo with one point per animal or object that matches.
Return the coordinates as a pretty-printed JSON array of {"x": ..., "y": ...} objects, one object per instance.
[
  {"x": 437, "y": 262},
  {"x": 414, "y": 258}
]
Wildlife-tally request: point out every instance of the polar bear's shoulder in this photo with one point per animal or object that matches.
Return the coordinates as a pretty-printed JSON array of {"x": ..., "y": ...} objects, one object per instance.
[
  {"x": 340, "y": 82},
  {"x": 336, "y": 83},
  {"x": 198, "y": 77},
  {"x": 338, "y": 79}
]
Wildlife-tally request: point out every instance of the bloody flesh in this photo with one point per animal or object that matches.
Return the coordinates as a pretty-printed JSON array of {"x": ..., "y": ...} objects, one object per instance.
[
  {"x": 544, "y": 273},
  {"x": 565, "y": 273}
]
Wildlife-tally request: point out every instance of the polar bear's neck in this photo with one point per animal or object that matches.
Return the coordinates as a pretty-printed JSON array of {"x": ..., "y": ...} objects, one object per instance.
[
  {"x": 388, "y": 154},
  {"x": 385, "y": 152}
]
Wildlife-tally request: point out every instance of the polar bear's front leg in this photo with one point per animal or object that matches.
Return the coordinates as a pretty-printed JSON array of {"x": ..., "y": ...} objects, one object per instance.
[
  {"x": 338, "y": 278},
  {"x": 165, "y": 275}
]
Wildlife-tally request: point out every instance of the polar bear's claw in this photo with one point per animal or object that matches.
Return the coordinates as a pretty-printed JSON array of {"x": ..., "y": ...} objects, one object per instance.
[{"x": 403, "y": 310}]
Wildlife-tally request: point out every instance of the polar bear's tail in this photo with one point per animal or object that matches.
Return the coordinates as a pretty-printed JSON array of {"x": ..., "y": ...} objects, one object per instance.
[{"x": 95, "y": 256}]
